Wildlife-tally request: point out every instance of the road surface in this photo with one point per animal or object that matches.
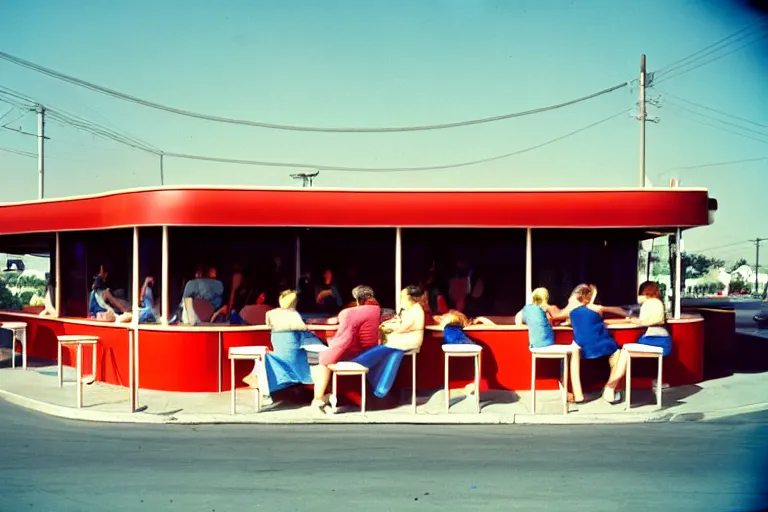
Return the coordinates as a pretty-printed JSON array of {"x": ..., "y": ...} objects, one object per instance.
[{"x": 57, "y": 465}]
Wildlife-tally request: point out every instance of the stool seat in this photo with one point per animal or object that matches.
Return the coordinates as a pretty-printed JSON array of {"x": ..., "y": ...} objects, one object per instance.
[
  {"x": 315, "y": 348},
  {"x": 244, "y": 352},
  {"x": 462, "y": 349},
  {"x": 638, "y": 348},
  {"x": 348, "y": 367},
  {"x": 554, "y": 350},
  {"x": 77, "y": 338},
  {"x": 13, "y": 325},
  {"x": 19, "y": 329}
]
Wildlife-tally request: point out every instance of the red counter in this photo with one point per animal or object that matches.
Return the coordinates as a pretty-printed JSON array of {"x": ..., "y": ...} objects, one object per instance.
[{"x": 194, "y": 359}]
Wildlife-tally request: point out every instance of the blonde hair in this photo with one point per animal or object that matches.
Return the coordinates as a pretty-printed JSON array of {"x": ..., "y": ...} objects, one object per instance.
[
  {"x": 288, "y": 299},
  {"x": 454, "y": 317},
  {"x": 540, "y": 297}
]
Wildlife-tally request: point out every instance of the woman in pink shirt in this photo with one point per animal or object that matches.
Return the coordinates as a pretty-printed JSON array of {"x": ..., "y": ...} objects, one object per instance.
[{"x": 358, "y": 331}]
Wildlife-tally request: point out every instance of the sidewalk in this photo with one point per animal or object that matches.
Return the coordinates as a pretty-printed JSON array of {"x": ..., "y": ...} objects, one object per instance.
[{"x": 37, "y": 389}]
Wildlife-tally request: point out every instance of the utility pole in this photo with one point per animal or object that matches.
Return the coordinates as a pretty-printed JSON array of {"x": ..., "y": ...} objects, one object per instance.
[
  {"x": 40, "y": 151},
  {"x": 162, "y": 173},
  {"x": 642, "y": 120},
  {"x": 306, "y": 178},
  {"x": 757, "y": 242}
]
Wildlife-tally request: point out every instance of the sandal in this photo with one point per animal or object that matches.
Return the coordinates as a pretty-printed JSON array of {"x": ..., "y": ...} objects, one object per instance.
[{"x": 572, "y": 399}]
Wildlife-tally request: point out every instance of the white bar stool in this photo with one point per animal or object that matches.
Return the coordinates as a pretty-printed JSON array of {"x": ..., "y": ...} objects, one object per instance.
[
  {"x": 413, "y": 354},
  {"x": 79, "y": 340},
  {"x": 639, "y": 350},
  {"x": 561, "y": 352},
  {"x": 348, "y": 368},
  {"x": 462, "y": 350},
  {"x": 255, "y": 354},
  {"x": 18, "y": 331}
]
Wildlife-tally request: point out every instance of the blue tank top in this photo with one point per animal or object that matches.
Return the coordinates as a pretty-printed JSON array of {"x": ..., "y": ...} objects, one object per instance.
[{"x": 540, "y": 332}]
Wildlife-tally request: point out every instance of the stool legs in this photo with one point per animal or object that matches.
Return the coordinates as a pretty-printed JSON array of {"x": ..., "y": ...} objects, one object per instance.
[
  {"x": 333, "y": 399},
  {"x": 628, "y": 383},
  {"x": 477, "y": 382},
  {"x": 79, "y": 376},
  {"x": 446, "y": 384},
  {"x": 364, "y": 392},
  {"x": 23, "y": 340},
  {"x": 565, "y": 384},
  {"x": 61, "y": 374},
  {"x": 659, "y": 385},
  {"x": 94, "y": 366},
  {"x": 233, "y": 398},
  {"x": 413, "y": 380},
  {"x": 533, "y": 384}
]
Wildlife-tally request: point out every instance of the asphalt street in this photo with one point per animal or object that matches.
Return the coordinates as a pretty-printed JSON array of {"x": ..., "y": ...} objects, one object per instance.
[{"x": 56, "y": 465}]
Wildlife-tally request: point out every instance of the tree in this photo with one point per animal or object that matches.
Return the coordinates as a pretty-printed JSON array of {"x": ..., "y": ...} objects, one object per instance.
[
  {"x": 738, "y": 285},
  {"x": 736, "y": 265},
  {"x": 698, "y": 265}
]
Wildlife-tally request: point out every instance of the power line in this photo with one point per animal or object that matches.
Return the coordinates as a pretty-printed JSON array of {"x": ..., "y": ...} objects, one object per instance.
[
  {"x": 714, "y": 110},
  {"x": 326, "y": 167},
  {"x": 728, "y": 123},
  {"x": 664, "y": 77},
  {"x": 724, "y": 246},
  {"x": 220, "y": 119},
  {"x": 720, "y": 42},
  {"x": 715, "y": 164},
  {"x": 717, "y": 126},
  {"x": 18, "y": 152}
]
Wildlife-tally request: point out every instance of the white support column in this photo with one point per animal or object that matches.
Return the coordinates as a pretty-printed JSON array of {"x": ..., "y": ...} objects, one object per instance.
[
  {"x": 57, "y": 283},
  {"x": 298, "y": 259},
  {"x": 528, "y": 265},
  {"x": 131, "y": 371},
  {"x": 678, "y": 271},
  {"x": 164, "y": 278},
  {"x": 398, "y": 266},
  {"x": 135, "y": 273}
]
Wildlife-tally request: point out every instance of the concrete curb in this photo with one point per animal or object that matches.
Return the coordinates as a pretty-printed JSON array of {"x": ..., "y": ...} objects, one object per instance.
[{"x": 355, "y": 418}]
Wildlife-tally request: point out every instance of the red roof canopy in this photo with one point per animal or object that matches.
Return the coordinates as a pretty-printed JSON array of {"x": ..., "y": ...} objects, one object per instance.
[{"x": 534, "y": 208}]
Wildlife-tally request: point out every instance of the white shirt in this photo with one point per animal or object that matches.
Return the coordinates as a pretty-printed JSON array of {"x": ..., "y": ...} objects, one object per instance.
[{"x": 653, "y": 315}]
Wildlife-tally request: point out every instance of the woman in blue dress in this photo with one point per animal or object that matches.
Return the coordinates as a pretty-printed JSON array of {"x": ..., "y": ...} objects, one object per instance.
[
  {"x": 593, "y": 338},
  {"x": 287, "y": 365}
]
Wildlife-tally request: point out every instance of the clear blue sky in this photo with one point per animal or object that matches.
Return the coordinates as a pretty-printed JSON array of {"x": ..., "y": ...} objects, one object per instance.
[{"x": 393, "y": 62}]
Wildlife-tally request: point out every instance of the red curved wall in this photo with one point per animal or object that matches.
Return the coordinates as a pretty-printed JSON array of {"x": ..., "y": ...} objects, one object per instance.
[{"x": 541, "y": 208}]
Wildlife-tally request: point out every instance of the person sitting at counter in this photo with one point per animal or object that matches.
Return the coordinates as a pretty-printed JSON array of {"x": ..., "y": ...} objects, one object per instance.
[
  {"x": 287, "y": 364},
  {"x": 592, "y": 337},
  {"x": 538, "y": 317},
  {"x": 401, "y": 334},
  {"x": 358, "y": 331},
  {"x": 240, "y": 295},
  {"x": 653, "y": 316},
  {"x": 148, "y": 314},
  {"x": 48, "y": 307},
  {"x": 207, "y": 288},
  {"x": 102, "y": 305},
  {"x": 327, "y": 295}
]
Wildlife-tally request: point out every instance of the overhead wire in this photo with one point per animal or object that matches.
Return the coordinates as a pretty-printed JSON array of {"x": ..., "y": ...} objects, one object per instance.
[
  {"x": 661, "y": 77},
  {"x": 713, "y": 45},
  {"x": 728, "y": 123},
  {"x": 713, "y": 110},
  {"x": 274, "y": 126},
  {"x": 337, "y": 168},
  {"x": 764, "y": 141},
  {"x": 715, "y": 164},
  {"x": 18, "y": 152}
]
